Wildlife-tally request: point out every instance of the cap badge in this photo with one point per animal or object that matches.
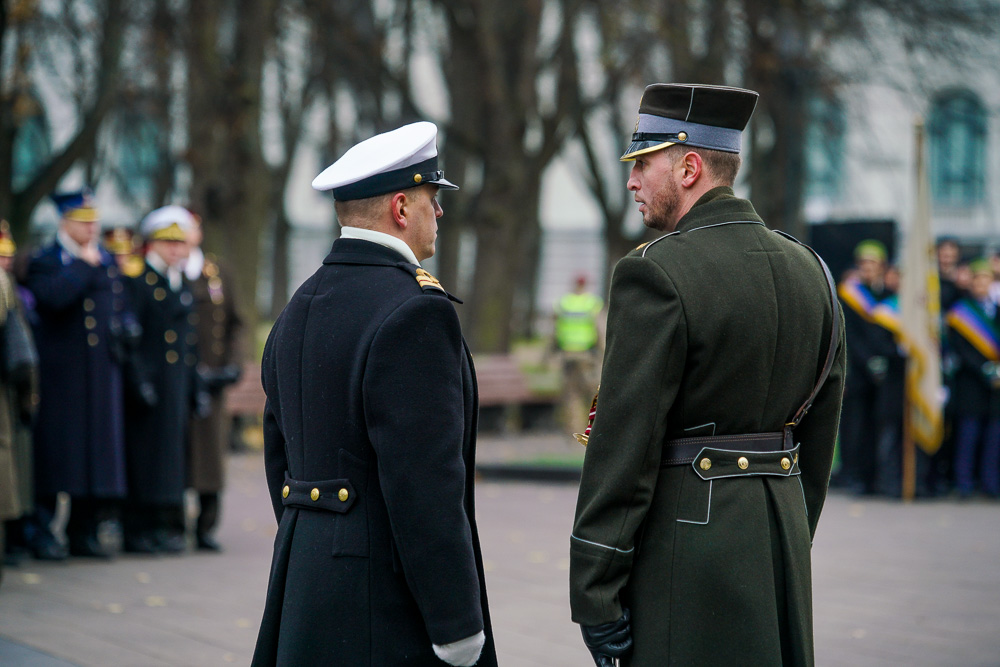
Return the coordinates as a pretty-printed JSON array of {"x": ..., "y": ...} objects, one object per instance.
[{"x": 417, "y": 178}]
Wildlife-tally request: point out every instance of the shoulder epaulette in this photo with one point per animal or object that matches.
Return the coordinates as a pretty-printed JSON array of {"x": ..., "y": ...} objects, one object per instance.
[
  {"x": 427, "y": 281},
  {"x": 134, "y": 266},
  {"x": 640, "y": 246}
]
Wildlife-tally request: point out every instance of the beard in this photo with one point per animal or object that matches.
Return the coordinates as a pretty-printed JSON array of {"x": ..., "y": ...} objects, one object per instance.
[{"x": 661, "y": 212}]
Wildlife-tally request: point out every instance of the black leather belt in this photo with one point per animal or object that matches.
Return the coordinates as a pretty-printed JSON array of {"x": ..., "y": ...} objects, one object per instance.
[
  {"x": 684, "y": 450},
  {"x": 332, "y": 495}
]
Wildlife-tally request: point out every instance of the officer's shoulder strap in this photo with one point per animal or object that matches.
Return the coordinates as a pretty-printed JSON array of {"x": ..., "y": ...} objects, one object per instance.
[
  {"x": 425, "y": 280},
  {"x": 134, "y": 266},
  {"x": 831, "y": 352}
]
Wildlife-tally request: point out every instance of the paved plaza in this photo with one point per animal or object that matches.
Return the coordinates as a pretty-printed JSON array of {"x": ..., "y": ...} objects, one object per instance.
[{"x": 895, "y": 584}]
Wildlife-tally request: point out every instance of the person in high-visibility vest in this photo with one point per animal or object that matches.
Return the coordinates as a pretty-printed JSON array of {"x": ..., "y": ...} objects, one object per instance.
[{"x": 578, "y": 340}]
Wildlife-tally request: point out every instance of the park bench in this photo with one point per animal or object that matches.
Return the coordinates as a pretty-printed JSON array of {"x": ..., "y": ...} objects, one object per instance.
[{"x": 506, "y": 401}]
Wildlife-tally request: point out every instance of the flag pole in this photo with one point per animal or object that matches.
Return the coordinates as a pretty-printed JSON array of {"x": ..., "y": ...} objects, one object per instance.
[{"x": 909, "y": 463}]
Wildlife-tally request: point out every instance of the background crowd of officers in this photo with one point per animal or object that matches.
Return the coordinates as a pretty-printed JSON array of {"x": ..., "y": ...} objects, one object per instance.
[
  {"x": 115, "y": 357},
  {"x": 871, "y": 430}
]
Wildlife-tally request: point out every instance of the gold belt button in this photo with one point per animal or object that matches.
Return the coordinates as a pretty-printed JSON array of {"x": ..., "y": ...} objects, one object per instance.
[
  {"x": 285, "y": 491},
  {"x": 314, "y": 494},
  {"x": 343, "y": 495},
  {"x": 786, "y": 463},
  {"x": 705, "y": 464},
  {"x": 88, "y": 305},
  {"x": 743, "y": 463}
]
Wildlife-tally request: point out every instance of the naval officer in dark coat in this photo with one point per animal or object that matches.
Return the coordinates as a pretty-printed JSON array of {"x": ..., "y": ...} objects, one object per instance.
[
  {"x": 165, "y": 359},
  {"x": 79, "y": 432},
  {"x": 699, "y": 496},
  {"x": 369, "y": 436}
]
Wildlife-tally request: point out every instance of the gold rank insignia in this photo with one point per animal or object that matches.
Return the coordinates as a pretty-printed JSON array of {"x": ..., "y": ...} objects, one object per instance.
[
  {"x": 641, "y": 246},
  {"x": 426, "y": 280},
  {"x": 134, "y": 266}
]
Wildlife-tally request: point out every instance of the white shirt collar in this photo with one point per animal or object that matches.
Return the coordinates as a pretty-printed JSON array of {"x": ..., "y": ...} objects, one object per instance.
[
  {"x": 68, "y": 244},
  {"x": 383, "y": 239},
  {"x": 172, "y": 274},
  {"x": 195, "y": 263}
]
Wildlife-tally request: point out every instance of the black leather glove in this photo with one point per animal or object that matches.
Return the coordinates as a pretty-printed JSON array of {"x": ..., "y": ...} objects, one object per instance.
[
  {"x": 202, "y": 404},
  {"x": 147, "y": 394},
  {"x": 609, "y": 641}
]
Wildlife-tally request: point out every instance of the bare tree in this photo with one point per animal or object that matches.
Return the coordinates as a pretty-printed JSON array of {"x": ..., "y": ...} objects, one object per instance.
[{"x": 78, "y": 44}]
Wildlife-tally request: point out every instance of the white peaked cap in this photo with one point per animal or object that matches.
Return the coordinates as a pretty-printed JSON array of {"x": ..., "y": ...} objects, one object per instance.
[
  {"x": 164, "y": 218},
  {"x": 403, "y": 158}
]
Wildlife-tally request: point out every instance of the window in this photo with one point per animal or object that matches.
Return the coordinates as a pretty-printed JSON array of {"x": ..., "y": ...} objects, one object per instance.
[
  {"x": 957, "y": 132},
  {"x": 141, "y": 157},
  {"x": 824, "y": 159},
  {"x": 31, "y": 150}
]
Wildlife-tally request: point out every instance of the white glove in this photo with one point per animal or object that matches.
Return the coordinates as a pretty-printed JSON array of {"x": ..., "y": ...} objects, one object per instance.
[{"x": 464, "y": 652}]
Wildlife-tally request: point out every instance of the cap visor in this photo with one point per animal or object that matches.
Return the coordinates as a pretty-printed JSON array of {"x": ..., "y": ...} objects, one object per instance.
[
  {"x": 637, "y": 148},
  {"x": 443, "y": 183}
]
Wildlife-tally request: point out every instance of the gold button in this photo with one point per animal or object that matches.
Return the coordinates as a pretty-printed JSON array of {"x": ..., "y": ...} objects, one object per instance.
[
  {"x": 682, "y": 136},
  {"x": 417, "y": 178},
  {"x": 285, "y": 491},
  {"x": 88, "y": 305},
  {"x": 92, "y": 339},
  {"x": 786, "y": 463},
  {"x": 89, "y": 322},
  {"x": 151, "y": 278},
  {"x": 314, "y": 494},
  {"x": 159, "y": 294},
  {"x": 170, "y": 336},
  {"x": 743, "y": 463},
  {"x": 172, "y": 356},
  {"x": 343, "y": 495},
  {"x": 705, "y": 464}
]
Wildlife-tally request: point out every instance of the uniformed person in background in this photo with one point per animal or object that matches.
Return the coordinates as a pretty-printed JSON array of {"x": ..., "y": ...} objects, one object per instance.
[
  {"x": 219, "y": 336},
  {"x": 120, "y": 242},
  {"x": 369, "y": 436},
  {"x": 870, "y": 348},
  {"x": 578, "y": 341},
  {"x": 697, "y": 505},
  {"x": 79, "y": 434},
  {"x": 974, "y": 341},
  {"x": 18, "y": 401},
  {"x": 166, "y": 358}
]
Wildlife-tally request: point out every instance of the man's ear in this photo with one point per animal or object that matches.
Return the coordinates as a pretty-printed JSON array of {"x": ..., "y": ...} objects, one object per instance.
[
  {"x": 692, "y": 167},
  {"x": 398, "y": 209}
]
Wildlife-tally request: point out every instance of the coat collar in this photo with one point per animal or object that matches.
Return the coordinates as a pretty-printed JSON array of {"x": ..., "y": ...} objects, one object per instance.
[
  {"x": 718, "y": 205},
  {"x": 358, "y": 251}
]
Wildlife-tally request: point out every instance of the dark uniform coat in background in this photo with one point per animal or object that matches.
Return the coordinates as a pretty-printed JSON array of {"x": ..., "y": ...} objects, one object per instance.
[
  {"x": 220, "y": 344},
  {"x": 372, "y": 402},
  {"x": 873, "y": 359},
  {"x": 79, "y": 436},
  {"x": 971, "y": 390},
  {"x": 166, "y": 357},
  {"x": 717, "y": 329}
]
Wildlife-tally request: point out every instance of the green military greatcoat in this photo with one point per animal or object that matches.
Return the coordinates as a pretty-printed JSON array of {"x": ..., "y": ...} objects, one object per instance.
[{"x": 719, "y": 328}]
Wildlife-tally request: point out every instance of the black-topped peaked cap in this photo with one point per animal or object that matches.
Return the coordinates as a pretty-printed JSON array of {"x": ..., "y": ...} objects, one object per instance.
[{"x": 691, "y": 114}]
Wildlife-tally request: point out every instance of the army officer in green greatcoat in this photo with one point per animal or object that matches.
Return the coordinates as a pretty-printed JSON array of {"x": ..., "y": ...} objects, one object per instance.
[{"x": 701, "y": 490}]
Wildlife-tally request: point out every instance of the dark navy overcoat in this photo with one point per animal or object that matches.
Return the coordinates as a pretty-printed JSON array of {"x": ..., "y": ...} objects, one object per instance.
[
  {"x": 79, "y": 436},
  {"x": 166, "y": 356},
  {"x": 370, "y": 425}
]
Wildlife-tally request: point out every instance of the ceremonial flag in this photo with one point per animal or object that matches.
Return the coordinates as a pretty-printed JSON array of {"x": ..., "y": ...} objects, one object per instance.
[{"x": 920, "y": 305}]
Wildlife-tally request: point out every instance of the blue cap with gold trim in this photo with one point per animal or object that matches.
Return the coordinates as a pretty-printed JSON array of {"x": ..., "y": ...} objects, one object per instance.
[
  {"x": 403, "y": 158},
  {"x": 712, "y": 117},
  {"x": 78, "y": 206}
]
